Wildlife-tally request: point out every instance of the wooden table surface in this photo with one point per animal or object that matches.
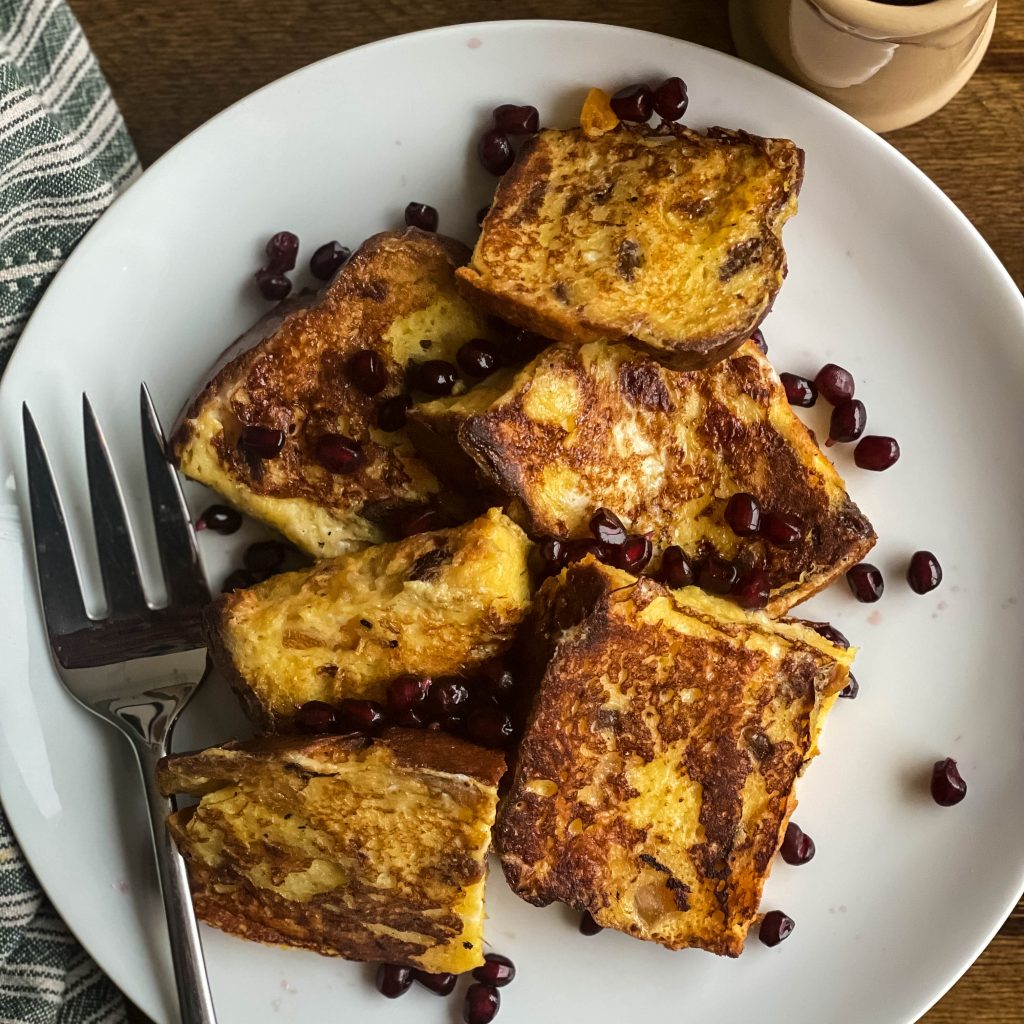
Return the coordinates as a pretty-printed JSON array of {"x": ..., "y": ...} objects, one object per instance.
[{"x": 174, "y": 65}]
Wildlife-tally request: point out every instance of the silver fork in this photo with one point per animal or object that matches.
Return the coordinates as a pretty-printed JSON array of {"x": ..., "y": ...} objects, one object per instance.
[{"x": 137, "y": 667}]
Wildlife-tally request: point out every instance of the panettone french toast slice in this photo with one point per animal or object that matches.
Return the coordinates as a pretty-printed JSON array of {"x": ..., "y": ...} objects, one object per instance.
[
  {"x": 599, "y": 425},
  {"x": 302, "y": 429},
  {"x": 435, "y": 604},
  {"x": 370, "y": 849},
  {"x": 663, "y": 238},
  {"x": 655, "y": 776}
]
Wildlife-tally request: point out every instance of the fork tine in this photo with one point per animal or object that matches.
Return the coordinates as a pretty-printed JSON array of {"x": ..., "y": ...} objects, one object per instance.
[
  {"x": 59, "y": 587},
  {"x": 175, "y": 535},
  {"x": 118, "y": 564}
]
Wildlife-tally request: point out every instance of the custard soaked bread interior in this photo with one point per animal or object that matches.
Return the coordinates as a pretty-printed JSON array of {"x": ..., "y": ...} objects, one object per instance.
[
  {"x": 655, "y": 776},
  {"x": 435, "y": 604},
  {"x": 366, "y": 849},
  {"x": 664, "y": 238},
  {"x": 295, "y": 391},
  {"x": 601, "y": 426}
]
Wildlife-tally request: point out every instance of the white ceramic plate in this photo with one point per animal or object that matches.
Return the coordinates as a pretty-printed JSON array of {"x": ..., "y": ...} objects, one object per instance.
[{"x": 886, "y": 277}]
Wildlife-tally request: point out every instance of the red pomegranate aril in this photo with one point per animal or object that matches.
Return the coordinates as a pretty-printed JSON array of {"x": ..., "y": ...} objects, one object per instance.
[
  {"x": 834, "y": 384},
  {"x": 446, "y": 696},
  {"x": 758, "y": 339},
  {"x": 799, "y": 390},
  {"x": 775, "y": 926},
  {"x": 496, "y": 970},
  {"x": 367, "y": 371},
  {"x": 282, "y": 251},
  {"x": 797, "y": 846},
  {"x": 499, "y": 681},
  {"x": 272, "y": 284},
  {"x": 632, "y": 555},
  {"x": 495, "y": 152},
  {"x": 876, "y": 452},
  {"x": 851, "y": 689},
  {"x": 393, "y": 981},
  {"x": 948, "y": 786},
  {"x": 716, "y": 575},
  {"x": 439, "y": 984},
  {"x": 220, "y": 519},
  {"x": 490, "y": 727},
  {"x": 262, "y": 442},
  {"x": 478, "y": 357},
  {"x": 265, "y": 556},
  {"x": 406, "y": 692},
  {"x": 865, "y": 582},
  {"x": 434, "y": 376},
  {"x": 830, "y": 633},
  {"x": 743, "y": 514},
  {"x": 553, "y": 554},
  {"x": 924, "y": 573},
  {"x": 578, "y": 549},
  {"x": 364, "y": 715},
  {"x": 848, "y": 421},
  {"x": 338, "y": 453},
  {"x": 588, "y": 926},
  {"x": 634, "y": 103},
  {"x": 752, "y": 590},
  {"x": 420, "y": 521},
  {"x": 316, "y": 716},
  {"x": 513, "y": 120},
  {"x": 676, "y": 569},
  {"x": 328, "y": 259},
  {"x": 392, "y": 413},
  {"x": 606, "y": 527},
  {"x": 782, "y": 530},
  {"x": 482, "y": 1003},
  {"x": 239, "y": 580},
  {"x": 670, "y": 99},
  {"x": 422, "y": 216},
  {"x": 410, "y": 720}
]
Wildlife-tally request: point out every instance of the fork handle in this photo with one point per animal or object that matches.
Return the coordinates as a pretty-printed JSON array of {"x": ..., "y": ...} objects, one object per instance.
[{"x": 194, "y": 996}]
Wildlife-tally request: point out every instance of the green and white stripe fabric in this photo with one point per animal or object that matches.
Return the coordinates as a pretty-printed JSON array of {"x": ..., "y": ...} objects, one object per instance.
[{"x": 64, "y": 155}]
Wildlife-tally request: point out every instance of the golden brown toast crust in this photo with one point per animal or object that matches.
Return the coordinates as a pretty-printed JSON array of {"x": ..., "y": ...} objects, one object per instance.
[
  {"x": 656, "y": 772},
  {"x": 612, "y": 238}
]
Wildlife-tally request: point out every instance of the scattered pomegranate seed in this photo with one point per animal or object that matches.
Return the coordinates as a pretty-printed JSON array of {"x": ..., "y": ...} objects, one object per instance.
[
  {"x": 364, "y": 715},
  {"x": 797, "y": 846},
  {"x": 606, "y": 527},
  {"x": 391, "y": 414},
  {"x": 753, "y": 590},
  {"x": 439, "y": 984},
  {"x": 513, "y": 120},
  {"x": 495, "y": 152},
  {"x": 262, "y": 442},
  {"x": 743, "y": 514},
  {"x": 239, "y": 580},
  {"x": 924, "y": 573},
  {"x": 830, "y": 633},
  {"x": 758, "y": 339},
  {"x": 434, "y": 376},
  {"x": 670, "y": 99},
  {"x": 265, "y": 556},
  {"x": 632, "y": 555},
  {"x": 316, "y": 716},
  {"x": 419, "y": 215},
  {"x": 553, "y": 555},
  {"x": 410, "y": 720},
  {"x": 676, "y": 569},
  {"x": 716, "y": 575},
  {"x": 834, "y": 383},
  {"x": 367, "y": 371},
  {"x": 848, "y": 421},
  {"x": 481, "y": 215},
  {"x": 775, "y": 926},
  {"x": 851, "y": 689},
  {"x": 420, "y": 521},
  {"x": 272, "y": 284},
  {"x": 497, "y": 970},
  {"x": 393, "y": 981},
  {"x": 866, "y": 583},
  {"x": 500, "y": 682},
  {"x": 406, "y": 692},
  {"x": 326, "y": 261},
  {"x": 282, "y": 251},
  {"x": 948, "y": 786},
  {"x": 220, "y": 519},
  {"x": 490, "y": 727},
  {"x": 634, "y": 103},
  {"x": 482, "y": 1003},
  {"x": 799, "y": 390},
  {"x": 338, "y": 453},
  {"x": 782, "y": 530},
  {"x": 446, "y": 696},
  {"x": 876, "y": 452},
  {"x": 578, "y": 549},
  {"x": 588, "y": 926},
  {"x": 478, "y": 357}
]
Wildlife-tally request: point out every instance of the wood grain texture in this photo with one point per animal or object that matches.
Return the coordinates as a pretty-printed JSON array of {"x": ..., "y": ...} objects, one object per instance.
[{"x": 174, "y": 65}]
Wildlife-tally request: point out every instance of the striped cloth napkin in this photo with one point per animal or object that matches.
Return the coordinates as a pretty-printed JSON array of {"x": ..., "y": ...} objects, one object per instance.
[{"x": 64, "y": 156}]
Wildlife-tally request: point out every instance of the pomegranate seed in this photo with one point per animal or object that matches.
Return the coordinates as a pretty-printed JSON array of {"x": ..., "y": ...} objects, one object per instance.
[
  {"x": 495, "y": 152},
  {"x": 490, "y": 727},
  {"x": 716, "y": 575},
  {"x": 513, "y": 120},
  {"x": 478, "y": 357},
  {"x": 866, "y": 583},
  {"x": 439, "y": 984},
  {"x": 758, "y": 339},
  {"x": 632, "y": 555},
  {"x": 830, "y": 633},
  {"x": 406, "y": 692},
  {"x": 265, "y": 556},
  {"x": 434, "y": 376},
  {"x": 752, "y": 590},
  {"x": 851, "y": 689},
  {"x": 782, "y": 529},
  {"x": 419, "y": 215},
  {"x": 876, "y": 452},
  {"x": 282, "y": 251},
  {"x": 391, "y": 414},
  {"x": 316, "y": 716},
  {"x": 500, "y": 681},
  {"x": 588, "y": 926},
  {"x": 363, "y": 715},
  {"x": 577, "y": 550},
  {"x": 799, "y": 390},
  {"x": 676, "y": 569},
  {"x": 327, "y": 260},
  {"x": 273, "y": 286},
  {"x": 481, "y": 1006},
  {"x": 421, "y": 520},
  {"x": 948, "y": 786},
  {"x": 923, "y": 574},
  {"x": 393, "y": 981},
  {"x": 220, "y": 519},
  {"x": 606, "y": 527},
  {"x": 743, "y": 514},
  {"x": 367, "y": 371},
  {"x": 553, "y": 554},
  {"x": 835, "y": 384},
  {"x": 338, "y": 453},
  {"x": 445, "y": 697},
  {"x": 496, "y": 970},
  {"x": 481, "y": 215},
  {"x": 670, "y": 99},
  {"x": 848, "y": 421},
  {"x": 410, "y": 720},
  {"x": 797, "y": 846},
  {"x": 262, "y": 442},
  {"x": 775, "y": 926},
  {"x": 239, "y": 580},
  {"x": 634, "y": 103}
]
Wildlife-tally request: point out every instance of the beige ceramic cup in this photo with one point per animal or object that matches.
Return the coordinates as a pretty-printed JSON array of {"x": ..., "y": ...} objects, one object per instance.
[{"x": 887, "y": 65}]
